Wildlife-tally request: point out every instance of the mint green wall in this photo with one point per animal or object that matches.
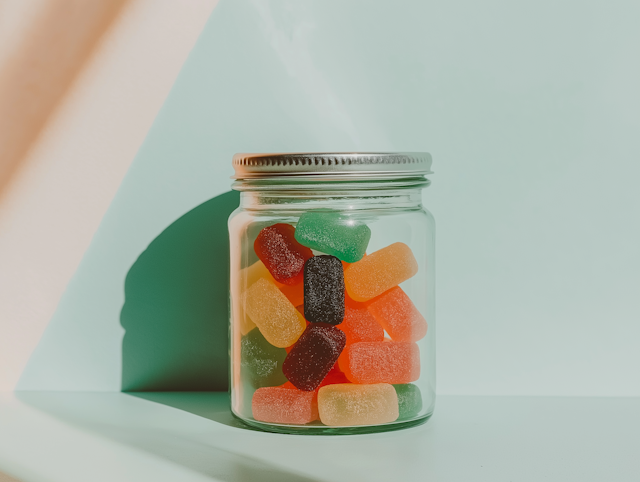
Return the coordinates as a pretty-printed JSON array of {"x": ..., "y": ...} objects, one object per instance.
[{"x": 531, "y": 111}]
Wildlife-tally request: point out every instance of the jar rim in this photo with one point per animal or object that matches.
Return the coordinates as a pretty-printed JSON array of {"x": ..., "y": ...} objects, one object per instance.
[{"x": 331, "y": 166}]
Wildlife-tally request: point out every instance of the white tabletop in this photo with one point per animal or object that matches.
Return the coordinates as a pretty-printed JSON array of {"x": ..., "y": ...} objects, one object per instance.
[{"x": 66, "y": 436}]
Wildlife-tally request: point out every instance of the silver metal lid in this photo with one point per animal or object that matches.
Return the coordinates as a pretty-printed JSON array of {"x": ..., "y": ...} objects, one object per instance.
[{"x": 332, "y": 165}]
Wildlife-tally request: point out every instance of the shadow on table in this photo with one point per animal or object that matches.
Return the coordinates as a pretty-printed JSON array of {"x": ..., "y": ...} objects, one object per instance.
[
  {"x": 183, "y": 440},
  {"x": 211, "y": 405}
]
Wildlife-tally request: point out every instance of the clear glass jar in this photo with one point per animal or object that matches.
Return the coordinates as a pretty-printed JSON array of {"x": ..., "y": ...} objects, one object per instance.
[{"x": 332, "y": 314}]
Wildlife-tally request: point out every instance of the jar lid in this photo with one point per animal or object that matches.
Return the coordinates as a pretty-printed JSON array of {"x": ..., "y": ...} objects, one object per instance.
[{"x": 332, "y": 165}]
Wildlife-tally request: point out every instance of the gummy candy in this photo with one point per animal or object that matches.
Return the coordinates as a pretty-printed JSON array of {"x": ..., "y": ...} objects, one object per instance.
[
  {"x": 261, "y": 362},
  {"x": 334, "y": 376},
  {"x": 398, "y": 316},
  {"x": 380, "y": 271},
  {"x": 248, "y": 276},
  {"x": 278, "y": 320},
  {"x": 283, "y": 405},
  {"x": 333, "y": 233},
  {"x": 409, "y": 400},
  {"x": 360, "y": 325},
  {"x": 324, "y": 290},
  {"x": 294, "y": 293},
  {"x": 253, "y": 273},
  {"x": 381, "y": 362},
  {"x": 314, "y": 354},
  {"x": 258, "y": 270},
  {"x": 283, "y": 256},
  {"x": 351, "y": 404}
]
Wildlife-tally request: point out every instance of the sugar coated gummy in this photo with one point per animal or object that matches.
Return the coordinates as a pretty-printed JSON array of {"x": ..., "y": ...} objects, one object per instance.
[
  {"x": 381, "y": 362},
  {"x": 248, "y": 276},
  {"x": 324, "y": 290},
  {"x": 360, "y": 325},
  {"x": 398, "y": 316},
  {"x": 314, "y": 354},
  {"x": 334, "y": 376},
  {"x": 283, "y": 256},
  {"x": 260, "y": 361},
  {"x": 409, "y": 400},
  {"x": 283, "y": 405},
  {"x": 380, "y": 271},
  {"x": 351, "y": 404},
  {"x": 295, "y": 293},
  {"x": 257, "y": 270},
  {"x": 278, "y": 320},
  {"x": 333, "y": 233}
]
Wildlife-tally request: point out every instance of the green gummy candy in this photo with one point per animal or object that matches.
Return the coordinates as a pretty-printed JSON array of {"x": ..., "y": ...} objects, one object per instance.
[
  {"x": 334, "y": 234},
  {"x": 409, "y": 400},
  {"x": 261, "y": 362}
]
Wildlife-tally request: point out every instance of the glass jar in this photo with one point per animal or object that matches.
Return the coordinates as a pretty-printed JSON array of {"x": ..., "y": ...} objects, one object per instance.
[{"x": 332, "y": 315}]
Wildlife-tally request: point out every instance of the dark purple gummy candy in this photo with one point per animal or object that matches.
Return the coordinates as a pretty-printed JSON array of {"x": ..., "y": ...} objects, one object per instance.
[
  {"x": 313, "y": 355},
  {"x": 324, "y": 290}
]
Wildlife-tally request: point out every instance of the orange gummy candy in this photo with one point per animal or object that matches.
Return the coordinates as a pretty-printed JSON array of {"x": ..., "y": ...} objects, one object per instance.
[
  {"x": 398, "y": 316},
  {"x": 359, "y": 324},
  {"x": 381, "y": 362},
  {"x": 284, "y": 405},
  {"x": 380, "y": 271},
  {"x": 294, "y": 293}
]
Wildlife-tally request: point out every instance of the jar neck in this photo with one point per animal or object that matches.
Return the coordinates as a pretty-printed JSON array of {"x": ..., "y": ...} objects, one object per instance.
[{"x": 344, "y": 196}]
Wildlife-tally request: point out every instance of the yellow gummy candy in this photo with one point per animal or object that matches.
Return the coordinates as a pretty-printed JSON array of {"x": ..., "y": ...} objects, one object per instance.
[
  {"x": 352, "y": 404},
  {"x": 380, "y": 271},
  {"x": 253, "y": 273},
  {"x": 278, "y": 320},
  {"x": 248, "y": 276}
]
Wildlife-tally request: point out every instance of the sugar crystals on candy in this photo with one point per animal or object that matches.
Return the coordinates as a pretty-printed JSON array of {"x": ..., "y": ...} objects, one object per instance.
[
  {"x": 260, "y": 361},
  {"x": 283, "y": 256},
  {"x": 278, "y": 320},
  {"x": 324, "y": 290},
  {"x": 351, "y": 404},
  {"x": 360, "y": 325},
  {"x": 381, "y": 362},
  {"x": 333, "y": 233},
  {"x": 398, "y": 316},
  {"x": 409, "y": 400},
  {"x": 284, "y": 405},
  {"x": 314, "y": 354},
  {"x": 380, "y": 271}
]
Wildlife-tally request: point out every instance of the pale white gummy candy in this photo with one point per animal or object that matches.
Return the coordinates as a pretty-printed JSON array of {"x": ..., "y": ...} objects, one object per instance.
[{"x": 348, "y": 404}]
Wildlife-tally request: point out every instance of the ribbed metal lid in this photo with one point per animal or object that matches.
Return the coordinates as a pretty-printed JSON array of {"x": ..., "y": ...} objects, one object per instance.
[{"x": 332, "y": 165}]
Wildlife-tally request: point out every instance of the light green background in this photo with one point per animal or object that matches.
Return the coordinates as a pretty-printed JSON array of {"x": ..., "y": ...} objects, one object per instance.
[{"x": 531, "y": 112}]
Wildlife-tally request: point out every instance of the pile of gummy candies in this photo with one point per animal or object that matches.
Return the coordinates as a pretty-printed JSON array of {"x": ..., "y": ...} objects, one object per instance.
[{"x": 314, "y": 345}]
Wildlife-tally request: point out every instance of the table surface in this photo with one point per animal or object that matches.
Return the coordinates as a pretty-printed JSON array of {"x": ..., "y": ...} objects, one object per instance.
[{"x": 71, "y": 436}]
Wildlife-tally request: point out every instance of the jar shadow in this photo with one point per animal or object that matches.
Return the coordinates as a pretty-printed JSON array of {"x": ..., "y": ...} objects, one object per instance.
[
  {"x": 210, "y": 405},
  {"x": 175, "y": 313}
]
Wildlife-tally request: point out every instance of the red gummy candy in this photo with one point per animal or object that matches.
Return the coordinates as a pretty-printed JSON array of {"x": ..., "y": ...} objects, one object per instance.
[
  {"x": 313, "y": 355},
  {"x": 334, "y": 377},
  {"x": 283, "y": 256},
  {"x": 281, "y": 405}
]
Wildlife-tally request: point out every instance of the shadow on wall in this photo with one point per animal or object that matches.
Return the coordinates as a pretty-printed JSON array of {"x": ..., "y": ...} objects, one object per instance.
[{"x": 176, "y": 305}]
